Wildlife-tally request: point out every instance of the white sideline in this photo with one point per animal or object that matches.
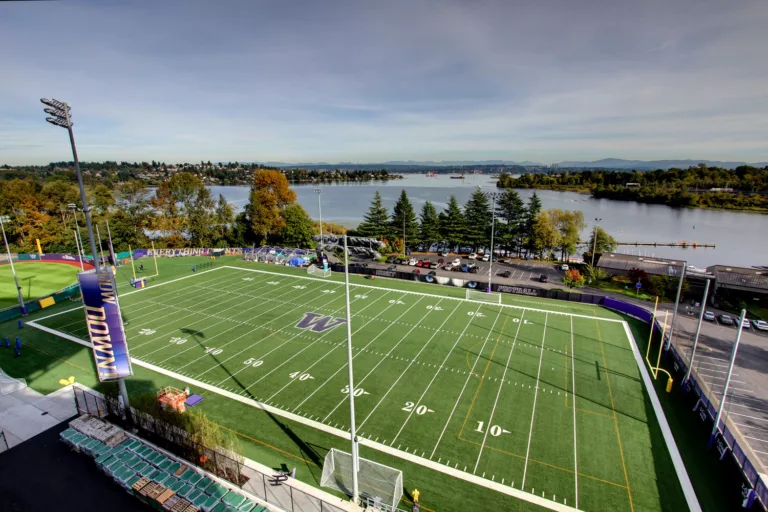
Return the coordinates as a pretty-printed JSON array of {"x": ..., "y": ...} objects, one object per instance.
[
  {"x": 525, "y": 308},
  {"x": 674, "y": 453},
  {"x": 488, "y": 484},
  {"x": 573, "y": 397}
]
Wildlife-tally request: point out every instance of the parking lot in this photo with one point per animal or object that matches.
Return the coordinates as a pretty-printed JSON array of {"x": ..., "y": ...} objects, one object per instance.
[{"x": 747, "y": 400}]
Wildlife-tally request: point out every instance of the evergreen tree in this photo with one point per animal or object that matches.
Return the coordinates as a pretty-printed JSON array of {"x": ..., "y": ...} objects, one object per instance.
[
  {"x": 534, "y": 208},
  {"x": 511, "y": 210},
  {"x": 477, "y": 214},
  {"x": 430, "y": 224},
  {"x": 297, "y": 228},
  {"x": 452, "y": 223},
  {"x": 376, "y": 222},
  {"x": 404, "y": 220}
]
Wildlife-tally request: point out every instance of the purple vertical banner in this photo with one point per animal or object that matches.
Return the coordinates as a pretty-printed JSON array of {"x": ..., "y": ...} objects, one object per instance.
[{"x": 105, "y": 324}]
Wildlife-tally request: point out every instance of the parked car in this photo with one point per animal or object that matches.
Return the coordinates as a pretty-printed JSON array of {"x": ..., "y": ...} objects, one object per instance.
[
  {"x": 392, "y": 267},
  {"x": 412, "y": 262},
  {"x": 544, "y": 278},
  {"x": 760, "y": 325},
  {"x": 465, "y": 268},
  {"x": 456, "y": 262},
  {"x": 472, "y": 256},
  {"x": 506, "y": 273},
  {"x": 486, "y": 257},
  {"x": 564, "y": 267},
  {"x": 432, "y": 264},
  {"x": 709, "y": 316},
  {"x": 391, "y": 259},
  {"x": 422, "y": 263},
  {"x": 457, "y": 268},
  {"x": 473, "y": 269},
  {"x": 725, "y": 319},
  {"x": 448, "y": 267},
  {"x": 747, "y": 324},
  {"x": 443, "y": 253},
  {"x": 441, "y": 261}
]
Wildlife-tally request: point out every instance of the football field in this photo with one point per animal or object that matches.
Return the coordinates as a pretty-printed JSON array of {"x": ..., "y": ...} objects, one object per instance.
[{"x": 544, "y": 402}]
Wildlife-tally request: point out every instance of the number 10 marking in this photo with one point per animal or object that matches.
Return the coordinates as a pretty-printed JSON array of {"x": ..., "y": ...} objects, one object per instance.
[{"x": 496, "y": 430}]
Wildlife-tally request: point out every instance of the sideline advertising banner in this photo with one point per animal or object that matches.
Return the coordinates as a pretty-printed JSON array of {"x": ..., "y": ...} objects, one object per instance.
[{"x": 105, "y": 325}]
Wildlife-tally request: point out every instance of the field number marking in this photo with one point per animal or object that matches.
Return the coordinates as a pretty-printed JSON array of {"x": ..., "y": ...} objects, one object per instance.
[
  {"x": 358, "y": 391},
  {"x": 273, "y": 282},
  {"x": 420, "y": 410},
  {"x": 299, "y": 287},
  {"x": 435, "y": 308},
  {"x": 213, "y": 350},
  {"x": 328, "y": 291},
  {"x": 247, "y": 279},
  {"x": 300, "y": 376},
  {"x": 475, "y": 313},
  {"x": 255, "y": 363},
  {"x": 361, "y": 296},
  {"x": 148, "y": 332},
  {"x": 495, "y": 431},
  {"x": 178, "y": 341},
  {"x": 393, "y": 301}
]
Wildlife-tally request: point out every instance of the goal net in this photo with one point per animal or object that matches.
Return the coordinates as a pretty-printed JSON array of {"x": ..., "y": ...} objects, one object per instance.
[
  {"x": 318, "y": 272},
  {"x": 8, "y": 384},
  {"x": 376, "y": 482},
  {"x": 483, "y": 296}
]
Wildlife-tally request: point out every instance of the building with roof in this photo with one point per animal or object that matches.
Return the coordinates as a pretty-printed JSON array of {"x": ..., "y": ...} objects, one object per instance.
[
  {"x": 620, "y": 265},
  {"x": 745, "y": 282}
]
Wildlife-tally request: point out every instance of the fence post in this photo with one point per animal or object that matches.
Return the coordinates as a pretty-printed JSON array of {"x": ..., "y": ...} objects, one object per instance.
[{"x": 291, "y": 491}]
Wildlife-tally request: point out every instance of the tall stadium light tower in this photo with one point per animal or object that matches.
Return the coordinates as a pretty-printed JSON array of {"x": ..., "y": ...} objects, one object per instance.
[
  {"x": 3, "y": 220},
  {"x": 78, "y": 240},
  {"x": 492, "y": 196},
  {"x": 60, "y": 116},
  {"x": 319, "y": 192},
  {"x": 594, "y": 242}
]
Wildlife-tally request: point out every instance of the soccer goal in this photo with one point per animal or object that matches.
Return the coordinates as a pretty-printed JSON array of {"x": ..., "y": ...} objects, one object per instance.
[
  {"x": 318, "y": 272},
  {"x": 8, "y": 384},
  {"x": 482, "y": 296},
  {"x": 376, "y": 482}
]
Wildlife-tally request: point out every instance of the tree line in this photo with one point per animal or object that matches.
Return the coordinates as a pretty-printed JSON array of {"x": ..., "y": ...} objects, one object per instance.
[
  {"x": 743, "y": 188},
  {"x": 520, "y": 229}
]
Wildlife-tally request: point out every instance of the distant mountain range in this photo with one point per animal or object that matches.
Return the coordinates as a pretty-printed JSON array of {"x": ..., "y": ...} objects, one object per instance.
[
  {"x": 618, "y": 163},
  {"x": 398, "y": 162}
]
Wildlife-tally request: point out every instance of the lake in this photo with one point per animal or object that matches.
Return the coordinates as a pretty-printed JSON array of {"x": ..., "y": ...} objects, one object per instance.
[{"x": 741, "y": 238}]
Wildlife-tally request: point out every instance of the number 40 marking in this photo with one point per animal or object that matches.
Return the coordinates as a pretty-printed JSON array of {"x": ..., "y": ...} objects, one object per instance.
[{"x": 496, "y": 430}]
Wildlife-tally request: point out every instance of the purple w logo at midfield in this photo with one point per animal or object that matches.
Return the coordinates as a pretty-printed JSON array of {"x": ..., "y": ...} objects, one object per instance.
[{"x": 318, "y": 322}]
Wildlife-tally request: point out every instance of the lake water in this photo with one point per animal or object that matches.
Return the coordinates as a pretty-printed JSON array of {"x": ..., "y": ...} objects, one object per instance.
[{"x": 741, "y": 238}]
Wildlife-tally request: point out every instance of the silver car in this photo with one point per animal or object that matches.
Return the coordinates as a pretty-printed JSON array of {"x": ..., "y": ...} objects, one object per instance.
[
  {"x": 709, "y": 316},
  {"x": 760, "y": 325}
]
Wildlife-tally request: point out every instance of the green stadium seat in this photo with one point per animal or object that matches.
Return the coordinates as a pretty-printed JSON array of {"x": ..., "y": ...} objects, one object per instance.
[
  {"x": 200, "y": 499},
  {"x": 160, "y": 477},
  {"x": 173, "y": 468},
  {"x": 185, "y": 490},
  {"x": 101, "y": 459},
  {"x": 204, "y": 483},
  {"x": 210, "y": 503},
  {"x": 247, "y": 506},
  {"x": 152, "y": 472},
  {"x": 177, "y": 486},
  {"x": 217, "y": 490},
  {"x": 141, "y": 467},
  {"x": 194, "y": 477},
  {"x": 165, "y": 465},
  {"x": 169, "y": 481},
  {"x": 233, "y": 499}
]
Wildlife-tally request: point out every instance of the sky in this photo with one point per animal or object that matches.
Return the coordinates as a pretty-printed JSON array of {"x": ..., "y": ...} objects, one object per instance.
[{"x": 308, "y": 81}]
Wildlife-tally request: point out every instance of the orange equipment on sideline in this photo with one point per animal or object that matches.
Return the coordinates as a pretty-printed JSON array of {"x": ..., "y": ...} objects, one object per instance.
[{"x": 173, "y": 398}]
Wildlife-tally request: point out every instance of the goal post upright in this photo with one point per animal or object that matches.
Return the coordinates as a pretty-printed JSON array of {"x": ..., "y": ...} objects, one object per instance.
[{"x": 351, "y": 387}]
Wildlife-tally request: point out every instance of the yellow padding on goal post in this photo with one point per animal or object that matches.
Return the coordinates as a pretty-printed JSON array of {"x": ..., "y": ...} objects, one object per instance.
[{"x": 48, "y": 301}]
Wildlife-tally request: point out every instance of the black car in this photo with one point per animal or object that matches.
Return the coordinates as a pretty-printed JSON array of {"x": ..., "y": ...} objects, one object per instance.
[
  {"x": 506, "y": 273},
  {"x": 433, "y": 273},
  {"x": 544, "y": 278},
  {"x": 391, "y": 267}
]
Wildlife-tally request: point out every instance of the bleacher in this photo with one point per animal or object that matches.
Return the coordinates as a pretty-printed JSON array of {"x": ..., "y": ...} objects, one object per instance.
[{"x": 154, "y": 478}]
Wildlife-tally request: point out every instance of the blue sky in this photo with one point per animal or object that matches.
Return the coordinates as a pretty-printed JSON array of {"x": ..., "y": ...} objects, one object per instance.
[{"x": 371, "y": 81}]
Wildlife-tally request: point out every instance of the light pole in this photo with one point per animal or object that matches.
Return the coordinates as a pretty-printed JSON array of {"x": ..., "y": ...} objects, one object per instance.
[
  {"x": 493, "y": 196},
  {"x": 594, "y": 242},
  {"x": 698, "y": 331},
  {"x": 60, "y": 113},
  {"x": 78, "y": 240},
  {"x": 351, "y": 375},
  {"x": 319, "y": 192},
  {"x": 716, "y": 427},
  {"x": 3, "y": 220}
]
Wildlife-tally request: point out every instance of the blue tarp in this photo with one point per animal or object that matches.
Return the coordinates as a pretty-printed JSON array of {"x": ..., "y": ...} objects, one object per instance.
[{"x": 297, "y": 262}]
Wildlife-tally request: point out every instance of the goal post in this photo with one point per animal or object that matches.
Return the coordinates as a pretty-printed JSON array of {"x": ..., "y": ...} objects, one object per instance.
[
  {"x": 318, "y": 272},
  {"x": 377, "y": 483},
  {"x": 482, "y": 296},
  {"x": 8, "y": 384}
]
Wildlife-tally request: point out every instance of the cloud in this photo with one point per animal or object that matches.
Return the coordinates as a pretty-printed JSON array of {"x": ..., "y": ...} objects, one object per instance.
[{"x": 544, "y": 81}]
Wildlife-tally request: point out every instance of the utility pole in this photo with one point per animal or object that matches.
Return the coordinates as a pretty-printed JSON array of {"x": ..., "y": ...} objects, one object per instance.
[
  {"x": 319, "y": 192},
  {"x": 3, "y": 220},
  {"x": 594, "y": 242}
]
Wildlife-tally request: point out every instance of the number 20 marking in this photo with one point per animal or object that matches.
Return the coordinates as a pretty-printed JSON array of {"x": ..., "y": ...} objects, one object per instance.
[{"x": 420, "y": 410}]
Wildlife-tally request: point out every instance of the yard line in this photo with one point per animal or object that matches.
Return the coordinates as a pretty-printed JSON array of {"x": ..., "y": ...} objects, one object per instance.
[
  {"x": 448, "y": 317},
  {"x": 535, "y": 396},
  {"x": 756, "y": 439},
  {"x": 382, "y": 360},
  {"x": 206, "y": 316},
  {"x": 573, "y": 395},
  {"x": 418, "y": 402},
  {"x": 237, "y": 325},
  {"x": 303, "y": 349},
  {"x": 334, "y": 348},
  {"x": 471, "y": 372},
  {"x": 498, "y": 393},
  {"x": 750, "y": 426},
  {"x": 353, "y": 357}
]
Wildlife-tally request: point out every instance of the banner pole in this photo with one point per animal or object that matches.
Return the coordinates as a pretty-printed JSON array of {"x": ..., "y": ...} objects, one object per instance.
[
  {"x": 79, "y": 253},
  {"x": 661, "y": 346},
  {"x": 716, "y": 427},
  {"x": 154, "y": 255},
  {"x": 698, "y": 331},
  {"x": 133, "y": 268},
  {"x": 653, "y": 324}
]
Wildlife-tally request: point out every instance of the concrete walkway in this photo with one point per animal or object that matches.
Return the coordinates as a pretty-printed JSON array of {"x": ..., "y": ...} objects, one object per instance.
[{"x": 26, "y": 413}]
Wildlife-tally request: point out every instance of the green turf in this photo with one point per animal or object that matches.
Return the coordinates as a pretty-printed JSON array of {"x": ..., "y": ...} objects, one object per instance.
[
  {"x": 37, "y": 279},
  {"x": 486, "y": 398}
]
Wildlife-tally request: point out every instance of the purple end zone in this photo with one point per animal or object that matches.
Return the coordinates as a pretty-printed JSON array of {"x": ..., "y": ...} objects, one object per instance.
[{"x": 193, "y": 400}]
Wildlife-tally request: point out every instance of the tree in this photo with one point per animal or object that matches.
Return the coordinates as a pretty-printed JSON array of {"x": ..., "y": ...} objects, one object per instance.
[
  {"x": 270, "y": 194},
  {"x": 573, "y": 278},
  {"x": 376, "y": 222},
  {"x": 477, "y": 214},
  {"x": 532, "y": 213},
  {"x": 430, "y": 224},
  {"x": 200, "y": 221},
  {"x": 511, "y": 210},
  {"x": 224, "y": 218},
  {"x": 297, "y": 227},
  {"x": 452, "y": 223},
  {"x": 545, "y": 235},
  {"x": 569, "y": 225},
  {"x": 605, "y": 242},
  {"x": 404, "y": 219}
]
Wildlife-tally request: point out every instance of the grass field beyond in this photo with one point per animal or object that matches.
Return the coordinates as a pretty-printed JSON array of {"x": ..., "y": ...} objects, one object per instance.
[
  {"x": 36, "y": 279},
  {"x": 548, "y": 402}
]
